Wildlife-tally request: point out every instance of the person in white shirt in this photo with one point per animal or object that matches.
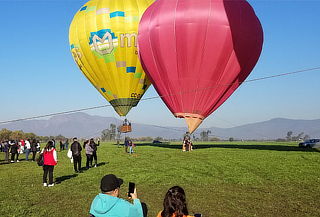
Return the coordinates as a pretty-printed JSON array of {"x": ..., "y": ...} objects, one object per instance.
[{"x": 27, "y": 149}]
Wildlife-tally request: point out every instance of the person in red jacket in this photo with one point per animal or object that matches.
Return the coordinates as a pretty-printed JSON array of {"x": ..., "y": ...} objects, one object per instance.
[{"x": 49, "y": 161}]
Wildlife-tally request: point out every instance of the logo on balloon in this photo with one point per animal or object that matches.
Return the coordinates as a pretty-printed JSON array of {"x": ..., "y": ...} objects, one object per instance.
[{"x": 104, "y": 41}]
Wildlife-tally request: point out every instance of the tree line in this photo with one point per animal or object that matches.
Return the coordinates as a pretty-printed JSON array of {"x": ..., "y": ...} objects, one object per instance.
[{"x": 6, "y": 134}]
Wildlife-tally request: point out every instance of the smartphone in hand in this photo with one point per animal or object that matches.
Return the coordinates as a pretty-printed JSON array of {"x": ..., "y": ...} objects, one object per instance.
[{"x": 131, "y": 188}]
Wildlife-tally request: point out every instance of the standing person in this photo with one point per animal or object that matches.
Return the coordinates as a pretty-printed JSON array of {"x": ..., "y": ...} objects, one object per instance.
[
  {"x": 54, "y": 143},
  {"x": 5, "y": 149},
  {"x": 27, "y": 149},
  {"x": 126, "y": 144},
  {"x": 14, "y": 148},
  {"x": 76, "y": 155},
  {"x": 49, "y": 161},
  {"x": 66, "y": 144},
  {"x": 19, "y": 149},
  {"x": 186, "y": 139},
  {"x": 131, "y": 146},
  {"x": 61, "y": 146},
  {"x": 22, "y": 145},
  {"x": 34, "y": 149},
  {"x": 94, "y": 153},
  {"x": 38, "y": 146},
  {"x": 89, "y": 153},
  {"x": 108, "y": 203},
  {"x": 174, "y": 203}
]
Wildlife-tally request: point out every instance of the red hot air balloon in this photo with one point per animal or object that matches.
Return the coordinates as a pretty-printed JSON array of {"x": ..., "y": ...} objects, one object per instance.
[{"x": 197, "y": 53}]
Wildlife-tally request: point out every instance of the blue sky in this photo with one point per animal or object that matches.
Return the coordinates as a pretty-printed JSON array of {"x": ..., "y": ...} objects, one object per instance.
[{"x": 39, "y": 76}]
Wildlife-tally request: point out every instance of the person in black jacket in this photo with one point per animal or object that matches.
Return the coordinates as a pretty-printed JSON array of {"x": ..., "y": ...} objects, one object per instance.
[
  {"x": 94, "y": 146},
  {"x": 14, "y": 150},
  {"x": 76, "y": 155},
  {"x": 34, "y": 149}
]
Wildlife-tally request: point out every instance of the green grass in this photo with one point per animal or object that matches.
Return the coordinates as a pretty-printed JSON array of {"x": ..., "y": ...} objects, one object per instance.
[{"x": 220, "y": 179}]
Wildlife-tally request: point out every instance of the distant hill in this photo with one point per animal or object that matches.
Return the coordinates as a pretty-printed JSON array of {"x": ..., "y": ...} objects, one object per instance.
[
  {"x": 271, "y": 129},
  {"x": 83, "y": 125}
]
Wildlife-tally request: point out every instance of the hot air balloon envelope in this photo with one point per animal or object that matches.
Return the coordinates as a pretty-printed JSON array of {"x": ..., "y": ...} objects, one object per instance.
[
  {"x": 197, "y": 53},
  {"x": 103, "y": 40}
]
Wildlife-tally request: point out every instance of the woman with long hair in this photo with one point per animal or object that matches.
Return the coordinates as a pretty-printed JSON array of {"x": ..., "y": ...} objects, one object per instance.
[
  {"x": 174, "y": 204},
  {"x": 49, "y": 161}
]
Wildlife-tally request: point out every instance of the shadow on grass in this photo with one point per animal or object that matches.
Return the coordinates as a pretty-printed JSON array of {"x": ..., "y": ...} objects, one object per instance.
[
  {"x": 236, "y": 146},
  {"x": 98, "y": 165},
  {"x": 102, "y": 164},
  {"x": 64, "y": 178},
  {"x": 2, "y": 162}
]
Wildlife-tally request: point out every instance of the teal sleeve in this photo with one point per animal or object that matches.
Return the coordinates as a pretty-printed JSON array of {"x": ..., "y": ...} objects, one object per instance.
[{"x": 136, "y": 209}]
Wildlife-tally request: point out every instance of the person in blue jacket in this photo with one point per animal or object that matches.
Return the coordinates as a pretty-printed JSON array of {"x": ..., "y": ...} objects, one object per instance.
[{"x": 108, "y": 203}]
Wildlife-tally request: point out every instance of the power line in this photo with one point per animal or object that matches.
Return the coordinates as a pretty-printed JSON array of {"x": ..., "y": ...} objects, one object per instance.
[{"x": 155, "y": 97}]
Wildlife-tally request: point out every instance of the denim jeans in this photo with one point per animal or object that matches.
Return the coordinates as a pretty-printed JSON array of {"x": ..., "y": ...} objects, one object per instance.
[{"x": 27, "y": 154}]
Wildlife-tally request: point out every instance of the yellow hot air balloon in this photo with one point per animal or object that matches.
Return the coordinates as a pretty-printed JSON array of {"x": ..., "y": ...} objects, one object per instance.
[{"x": 103, "y": 40}]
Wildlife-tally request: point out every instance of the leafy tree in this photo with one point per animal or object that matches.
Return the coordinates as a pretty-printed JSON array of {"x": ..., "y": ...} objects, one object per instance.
[
  {"x": 289, "y": 136},
  {"x": 105, "y": 135},
  {"x": 297, "y": 137},
  {"x": 60, "y": 137},
  {"x": 306, "y": 137},
  {"x": 5, "y": 134},
  {"x": 205, "y": 135},
  {"x": 158, "y": 138},
  {"x": 109, "y": 134},
  {"x": 113, "y": 130},
  {"x": 15, "y": 135},
  {"x": 144, "y": 139},
  {"x": 30, "y": 136},
  {"x": 214, "y": 139}
]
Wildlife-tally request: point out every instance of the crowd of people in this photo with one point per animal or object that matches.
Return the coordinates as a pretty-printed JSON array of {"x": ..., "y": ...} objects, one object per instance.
[
  {"x": 49, "y": 157},
  {"x": 17, "y": 147},
  {"x": 90, "y": 147},
  {"x": 108, "y": 202}
]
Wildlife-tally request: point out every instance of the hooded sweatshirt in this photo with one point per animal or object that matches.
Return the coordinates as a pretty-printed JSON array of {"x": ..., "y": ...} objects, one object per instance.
[{"x": 106, "y": 205}]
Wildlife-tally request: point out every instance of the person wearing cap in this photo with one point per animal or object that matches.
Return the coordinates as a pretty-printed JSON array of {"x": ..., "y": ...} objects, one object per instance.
[{"x": 108, "y": 203}]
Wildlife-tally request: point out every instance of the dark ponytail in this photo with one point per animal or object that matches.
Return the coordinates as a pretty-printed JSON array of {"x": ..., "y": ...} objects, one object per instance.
[
  {"x": 48, "y": 146},
  {"x": 175, "y": 202}
]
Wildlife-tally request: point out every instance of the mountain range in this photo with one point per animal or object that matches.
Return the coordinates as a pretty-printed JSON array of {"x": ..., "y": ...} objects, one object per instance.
[{"x": 83, "y": 125}]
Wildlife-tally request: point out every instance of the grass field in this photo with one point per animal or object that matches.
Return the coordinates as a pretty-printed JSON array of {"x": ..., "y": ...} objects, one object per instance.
[{"x": 220, "y": 179}]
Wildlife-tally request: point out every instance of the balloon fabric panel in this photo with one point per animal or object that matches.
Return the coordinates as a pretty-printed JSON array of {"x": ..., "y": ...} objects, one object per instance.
[
  {"x": 103, "y": 40},
  {"x": 197, "y": 53}
]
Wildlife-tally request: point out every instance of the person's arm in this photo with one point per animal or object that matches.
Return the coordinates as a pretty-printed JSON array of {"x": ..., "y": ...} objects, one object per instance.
[
  {"x": 136, "y": 209},
  {"x": 55, "y": 155}
]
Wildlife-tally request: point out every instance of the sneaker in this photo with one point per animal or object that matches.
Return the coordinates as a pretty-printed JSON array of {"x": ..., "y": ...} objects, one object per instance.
[
  {"x": 45, "y": 184},
  {"x": 12, "y": 161},
  {"x": 50, "y": 185},
  {"x": 18, "y": 161},
  {"x": 95, "y": 165}
]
